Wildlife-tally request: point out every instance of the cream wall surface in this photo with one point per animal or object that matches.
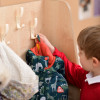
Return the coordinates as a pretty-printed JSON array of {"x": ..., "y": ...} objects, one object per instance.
[{"x": 80, "y": 24}]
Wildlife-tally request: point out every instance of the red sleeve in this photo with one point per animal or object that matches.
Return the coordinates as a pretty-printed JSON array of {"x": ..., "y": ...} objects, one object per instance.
[{"x": 74, "y": 73}]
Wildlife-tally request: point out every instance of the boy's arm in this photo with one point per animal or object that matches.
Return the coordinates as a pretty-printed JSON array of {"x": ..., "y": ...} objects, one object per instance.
[{"x": 74, "y": 73}]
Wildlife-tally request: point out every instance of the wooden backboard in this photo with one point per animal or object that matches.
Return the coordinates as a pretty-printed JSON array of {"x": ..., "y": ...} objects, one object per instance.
[{"x": 54, "y": 20}]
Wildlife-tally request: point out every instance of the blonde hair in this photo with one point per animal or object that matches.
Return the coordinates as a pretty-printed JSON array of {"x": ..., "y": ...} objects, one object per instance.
[{"x": 89, "y": 41}]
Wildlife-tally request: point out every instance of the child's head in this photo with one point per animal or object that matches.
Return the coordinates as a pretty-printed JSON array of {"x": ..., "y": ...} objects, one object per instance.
[{"x": 89, "y": 42}]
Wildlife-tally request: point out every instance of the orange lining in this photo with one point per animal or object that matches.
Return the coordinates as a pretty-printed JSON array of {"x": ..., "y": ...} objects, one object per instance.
[{"x": 41, "y": 49}]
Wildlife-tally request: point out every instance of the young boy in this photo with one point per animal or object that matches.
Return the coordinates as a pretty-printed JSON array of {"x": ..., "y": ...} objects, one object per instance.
[{"x": 87, "y": 77}]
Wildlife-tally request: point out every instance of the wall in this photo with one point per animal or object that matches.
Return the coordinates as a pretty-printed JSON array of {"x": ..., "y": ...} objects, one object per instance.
[{"x": 80, "y": 24}]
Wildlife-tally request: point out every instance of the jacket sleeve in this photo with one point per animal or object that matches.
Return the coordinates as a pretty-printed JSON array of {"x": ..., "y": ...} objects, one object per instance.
[{"x": 74, "y": 73}]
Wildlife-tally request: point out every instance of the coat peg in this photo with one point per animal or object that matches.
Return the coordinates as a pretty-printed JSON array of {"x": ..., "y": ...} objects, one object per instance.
[
  {"x": 0, "y": 34},
  {"x": 33, "y": 29},
  {"x": 19, "y": 15},
  {"x": 6, "y": 28},
  {"x": 35, "y": 22},
  {"x": 4, "y": 31}
]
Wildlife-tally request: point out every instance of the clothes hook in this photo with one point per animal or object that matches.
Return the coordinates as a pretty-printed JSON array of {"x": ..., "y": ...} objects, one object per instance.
[
  {"x": 4, "y": 32},
  {"x": 33, "y": 29},
  {"x": 19, "y": 14}
]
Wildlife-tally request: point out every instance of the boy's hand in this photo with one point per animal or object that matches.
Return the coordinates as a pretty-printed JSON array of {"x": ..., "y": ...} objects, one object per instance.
[{"x": 46, "y": 41}]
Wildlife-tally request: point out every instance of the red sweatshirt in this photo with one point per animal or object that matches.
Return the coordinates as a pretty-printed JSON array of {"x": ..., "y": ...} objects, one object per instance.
[{"x": 76, "y": 75}]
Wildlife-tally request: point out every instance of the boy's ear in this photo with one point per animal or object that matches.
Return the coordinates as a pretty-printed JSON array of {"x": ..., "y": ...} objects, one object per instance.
[{"x": 95, "y": 61}]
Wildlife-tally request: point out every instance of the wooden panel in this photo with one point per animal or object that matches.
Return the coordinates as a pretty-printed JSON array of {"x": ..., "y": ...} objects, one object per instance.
[
  {"x": 13, "y": 2},
  {"x": 20, "y": 39},
  {"x": 54, "y": 21},
  {"x": 57, "y": 26}
]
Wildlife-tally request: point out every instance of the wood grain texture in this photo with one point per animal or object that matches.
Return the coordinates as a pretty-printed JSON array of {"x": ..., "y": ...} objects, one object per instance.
[{"x": 54, "y": 21}]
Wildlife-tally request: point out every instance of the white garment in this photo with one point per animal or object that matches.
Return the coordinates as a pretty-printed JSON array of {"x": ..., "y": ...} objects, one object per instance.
[
  {"x": 4, "y": 76},
  {"x": 18, "y": 69},
  {"x": 91, "y": 80}
]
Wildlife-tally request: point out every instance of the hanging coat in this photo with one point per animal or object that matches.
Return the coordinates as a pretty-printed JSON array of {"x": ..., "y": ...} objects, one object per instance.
[{"x": 52, "y": 84}]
